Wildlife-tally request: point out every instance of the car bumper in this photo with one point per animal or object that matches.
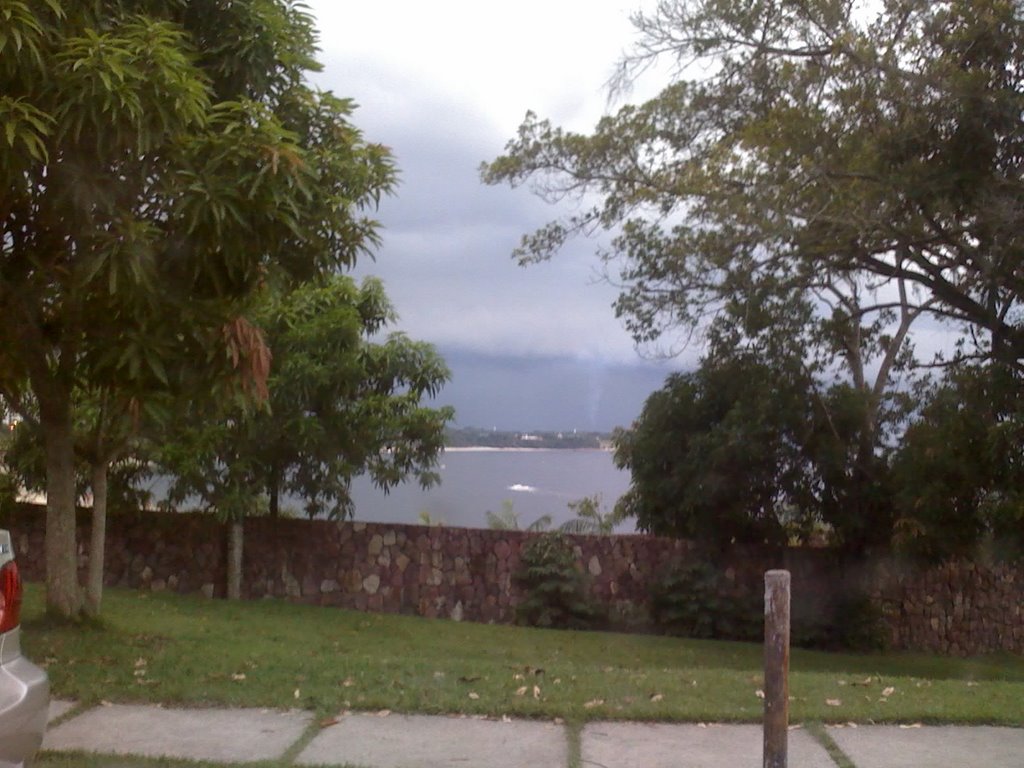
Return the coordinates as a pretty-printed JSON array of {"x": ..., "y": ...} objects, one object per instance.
[{"x": 24, "y": 706}]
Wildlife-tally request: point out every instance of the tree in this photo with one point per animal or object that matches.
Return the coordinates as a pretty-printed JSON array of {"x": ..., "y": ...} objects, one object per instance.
[
  {"x": 715, "y": 455},
  {"x": 850, "y": 170},
  {"x": 959, "y": 473},
  {"x": 751, "y": 448},
  {"x": 804, "y": 139},
  {"x": 159, "y": 162},
  {"x": 343, "y": 401}
]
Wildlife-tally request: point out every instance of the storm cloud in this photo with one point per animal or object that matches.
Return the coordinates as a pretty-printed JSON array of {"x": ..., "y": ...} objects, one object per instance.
[{"x": 532, "y": 348}]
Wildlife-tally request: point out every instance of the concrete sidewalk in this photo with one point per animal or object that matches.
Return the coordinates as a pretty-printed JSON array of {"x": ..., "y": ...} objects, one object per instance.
[{"x": 386, "y": 740}]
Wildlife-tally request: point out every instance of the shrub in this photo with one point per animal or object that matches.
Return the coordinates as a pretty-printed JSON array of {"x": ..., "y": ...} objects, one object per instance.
[
  {"x": 851, "y": 622},
  {"x": 692, "y": 599},
  {"x": 554, "y": 588}
]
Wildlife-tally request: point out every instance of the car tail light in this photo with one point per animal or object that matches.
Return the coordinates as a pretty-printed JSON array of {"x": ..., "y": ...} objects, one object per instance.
[{"x": 10, "y": 597}]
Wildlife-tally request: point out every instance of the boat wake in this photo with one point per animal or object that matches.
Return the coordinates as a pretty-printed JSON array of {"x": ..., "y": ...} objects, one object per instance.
[{"x": 519, "y": 488}]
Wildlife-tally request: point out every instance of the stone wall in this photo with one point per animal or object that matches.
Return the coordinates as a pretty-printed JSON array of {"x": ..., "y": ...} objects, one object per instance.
[
  {"x": 958, "y": 608},
  {"x": 465, "y": 573}
]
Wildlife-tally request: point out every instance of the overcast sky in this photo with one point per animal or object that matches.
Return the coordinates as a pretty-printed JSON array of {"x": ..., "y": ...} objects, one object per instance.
[{"x": 446, "y": 84}]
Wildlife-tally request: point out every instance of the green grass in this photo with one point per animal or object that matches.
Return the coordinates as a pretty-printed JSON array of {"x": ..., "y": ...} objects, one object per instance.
[{"x": 190, "y": 651}]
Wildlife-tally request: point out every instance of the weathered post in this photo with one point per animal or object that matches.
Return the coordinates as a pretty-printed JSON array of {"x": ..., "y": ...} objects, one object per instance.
[{"x": 776, "y": 668}]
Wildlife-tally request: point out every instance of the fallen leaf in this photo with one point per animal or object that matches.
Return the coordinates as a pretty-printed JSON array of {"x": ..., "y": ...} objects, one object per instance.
[
  {"x": 656, "y": 697},
  {"x": 851, "y": 725},
  {"x": 506, "y": 719},
  {"x": 139, "y": 673},
  {"x": 329, "y": 721},
  {"x": 474, "y": 695},
  {"x": 521, "y": 691},
  {"x": 348, "y": 682},
  {"x": 593, "y": 703},
  {"x": 238, "y": 676},
  {"x": 469, "y": 678},
  {"x": 140, "y": 662},
  {"x": 841, "y": 682},
  {"x": 297, "y": 693},
  {"x": 970, "y": 684},
  {"x": 559, "y": 721},
  {"x": 834, "y": 702},
  {"x": 384, "y": 713},
  {"x": 518, "y": 676},
  {"x": 906, "y": 726},
  {"x": 536, "y": 691},
  {"x": 558, "y": 681},
  {"x": 759, "y": 693},
  {"x": 438, "y": 675},
  {"x": 889, "y": 691},
  {"x": 865, "y": 681}
]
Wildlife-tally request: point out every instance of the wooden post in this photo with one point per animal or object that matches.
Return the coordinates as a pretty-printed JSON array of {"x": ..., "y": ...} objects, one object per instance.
[{"x": 776, "y": 668}]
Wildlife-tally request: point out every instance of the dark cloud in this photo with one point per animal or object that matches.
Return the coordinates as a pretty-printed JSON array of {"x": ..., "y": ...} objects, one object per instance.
[
  {"x": 518, "y": 393},
  {"x": 533, "y": 348}
]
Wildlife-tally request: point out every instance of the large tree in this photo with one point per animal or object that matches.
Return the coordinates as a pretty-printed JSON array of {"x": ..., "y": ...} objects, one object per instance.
[
  {"x": 159, "y": 162},
  {"x": 864, "y": 163},
  {"x": 799, "y": 141}
]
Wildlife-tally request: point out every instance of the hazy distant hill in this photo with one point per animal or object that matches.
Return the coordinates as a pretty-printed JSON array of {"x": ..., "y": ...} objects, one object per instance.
[{"x": 464, "y": 437}]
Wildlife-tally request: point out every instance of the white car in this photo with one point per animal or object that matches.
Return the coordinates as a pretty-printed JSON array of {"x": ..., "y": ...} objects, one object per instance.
[{"x": 24, "y": 687}]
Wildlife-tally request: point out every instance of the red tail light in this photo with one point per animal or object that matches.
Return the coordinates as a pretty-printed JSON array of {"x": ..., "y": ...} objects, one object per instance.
[{"x": 10, "y": 597}]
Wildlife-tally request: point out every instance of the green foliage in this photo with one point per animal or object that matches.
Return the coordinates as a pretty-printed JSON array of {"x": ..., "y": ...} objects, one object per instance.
[
  {"x": 849, "y": 622},
  {"x": 344, "y": 400},
  {"x": 590, "y": 519},
  {"x": 752, "y": 448},
  {"x": 692, "y": 598},
  {"x": 553, "y": 586},
  {"x": 160, "y": 163},
  {"x": 508, "y": 520},
  {"x": 798, "y": 143},
  {"x": 959, "y": 473}
]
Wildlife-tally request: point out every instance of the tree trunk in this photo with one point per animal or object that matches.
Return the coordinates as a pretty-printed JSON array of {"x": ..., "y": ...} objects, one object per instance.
[
  {"x": 235, "y": 540},
  {"x": 97, "y": 546},
  {"x": 275, "y": 497},
  {"x": 63, "y": 595}
]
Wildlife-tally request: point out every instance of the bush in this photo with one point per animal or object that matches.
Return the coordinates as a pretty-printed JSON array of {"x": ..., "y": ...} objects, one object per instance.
[
  {"x": 692, "y": 599},
  {"x": 850, "y": 623},
  {"x": 554, "y": 588}
]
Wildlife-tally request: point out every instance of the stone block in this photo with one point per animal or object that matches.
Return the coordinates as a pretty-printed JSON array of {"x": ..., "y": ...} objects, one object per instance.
[{"x": 371, "y": 584}]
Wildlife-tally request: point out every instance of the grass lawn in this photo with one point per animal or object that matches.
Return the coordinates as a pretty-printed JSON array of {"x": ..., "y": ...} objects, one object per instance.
[{"x": 158, "y": 647}]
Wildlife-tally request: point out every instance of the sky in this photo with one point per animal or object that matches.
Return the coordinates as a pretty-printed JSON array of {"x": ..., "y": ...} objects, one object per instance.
[{"x": 445, "y": 85}]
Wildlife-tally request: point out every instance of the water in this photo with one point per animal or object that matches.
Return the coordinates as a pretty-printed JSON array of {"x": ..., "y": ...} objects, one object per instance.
[
  {"x": 536, "y": 482},
  {"x": 474, "y": 480}
]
